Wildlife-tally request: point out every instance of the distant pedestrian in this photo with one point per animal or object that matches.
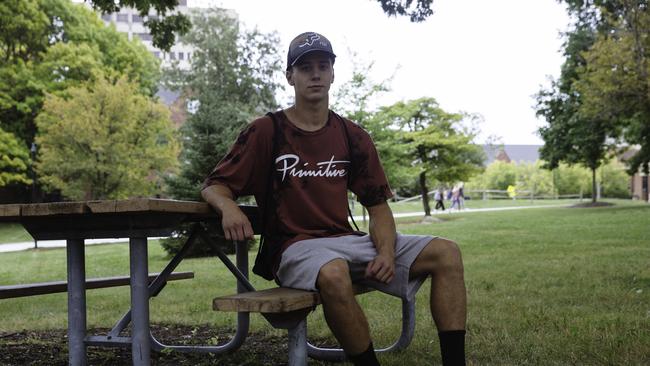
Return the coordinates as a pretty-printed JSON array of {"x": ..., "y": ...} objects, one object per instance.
[
  {"x": 437, "y": 196},
  {"x": 455, "y": 198}
]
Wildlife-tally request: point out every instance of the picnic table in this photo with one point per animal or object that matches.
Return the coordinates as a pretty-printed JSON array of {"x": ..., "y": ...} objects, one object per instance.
[
  {"x": 139, "y": 219},
  {"x": 136, "y": 219}
]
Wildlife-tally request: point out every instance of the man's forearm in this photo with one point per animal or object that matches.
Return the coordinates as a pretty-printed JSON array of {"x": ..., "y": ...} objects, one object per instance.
[
  {"x": 382, "y": 229},
  {"x": 234, "y": 222},
  {"x": 219, "y": 197}
]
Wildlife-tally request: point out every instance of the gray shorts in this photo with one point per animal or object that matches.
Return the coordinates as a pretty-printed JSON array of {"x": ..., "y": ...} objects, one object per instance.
[{"x": 302, "y": 261}]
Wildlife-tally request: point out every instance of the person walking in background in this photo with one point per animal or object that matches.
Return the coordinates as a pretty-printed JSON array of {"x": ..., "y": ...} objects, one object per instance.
[
  {"x": 437, "y": 196},
  {"x": 455, "y": 200}
]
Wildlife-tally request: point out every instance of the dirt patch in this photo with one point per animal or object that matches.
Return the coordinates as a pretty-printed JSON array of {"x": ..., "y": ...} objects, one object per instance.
[
  {"x": 591, "y": 204},
  {"x": 49, "y": 347}
]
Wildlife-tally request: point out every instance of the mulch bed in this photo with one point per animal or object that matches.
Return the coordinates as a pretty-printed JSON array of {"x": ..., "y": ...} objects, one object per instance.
[
  {"x": 591, "y": 204},
  {"x": 49, "y": 347}
]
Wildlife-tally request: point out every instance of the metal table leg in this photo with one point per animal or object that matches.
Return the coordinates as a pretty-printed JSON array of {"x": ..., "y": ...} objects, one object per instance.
[
  {"x": 140, "y": 346},
  {"x": 76, "y": 302}
]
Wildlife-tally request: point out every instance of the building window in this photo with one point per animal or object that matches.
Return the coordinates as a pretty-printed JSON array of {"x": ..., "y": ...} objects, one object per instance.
[
  {"x": 144, "y": 36},
  {"x": 182, "y": 2},
  {"x": 106, "y": 17},
  {"x": 136, "y": 18},
  {"x": 123, "y": 18},
  {"x": 156, "y": 54},
  {"x": 181, "y": 56},
  {"x": 152, "y": 17},
  {"x": 172, "y": 56}
]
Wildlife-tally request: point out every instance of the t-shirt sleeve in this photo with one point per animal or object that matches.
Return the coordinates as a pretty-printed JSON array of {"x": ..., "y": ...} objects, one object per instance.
[
  {"x": 368, "y": 179},
  {"x": 244, "y": 167}
]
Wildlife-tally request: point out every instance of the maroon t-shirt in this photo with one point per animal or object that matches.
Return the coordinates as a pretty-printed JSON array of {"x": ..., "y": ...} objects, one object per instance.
[{"x": 311, "y": 175}]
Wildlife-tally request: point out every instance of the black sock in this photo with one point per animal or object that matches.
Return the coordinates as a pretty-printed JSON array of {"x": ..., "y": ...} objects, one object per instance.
[
  {"x": 365, "y": 358},
  {"x": 452, "y": 347}
]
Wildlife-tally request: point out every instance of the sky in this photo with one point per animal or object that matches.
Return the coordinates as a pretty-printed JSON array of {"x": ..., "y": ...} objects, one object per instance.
[{"x": 474, "y": 56}]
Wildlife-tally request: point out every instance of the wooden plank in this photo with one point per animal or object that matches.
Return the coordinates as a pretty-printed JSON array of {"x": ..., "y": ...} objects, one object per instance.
[
  {"x": 54, "y": 208},
  {"x": 274, "y": 300},
  {"x": 150, "y": 205},
  {"x": 43, "y": 288},
  {"x": 12, "y": 210},
  {"x": 107, "y": 206}
]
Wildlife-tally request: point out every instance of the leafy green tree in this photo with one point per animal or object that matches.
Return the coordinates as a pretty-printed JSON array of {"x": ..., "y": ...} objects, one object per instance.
[
  {"x": 438, "y": 144},
  {"x": 354, "y": 99},
  {"x": 572, "y": 179},
  {"x": 571, "y": 136},
  {"x": 234, "y": 77},
  {"x": 162, "y": 28},
  {"x": 615, "y": 182},
  {"x": 532, "y": 178},
  {"x": 47, "y": 46},
  {"x": 105, "y": 141},
  {"x": 14, "y": 160},
  {"x": 615, "y": 82},
  {"x": 417, "y": 11}
]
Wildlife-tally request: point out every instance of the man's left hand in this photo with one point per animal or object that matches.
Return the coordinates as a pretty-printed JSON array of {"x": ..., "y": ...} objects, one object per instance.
[{"x": 381, "y": 269}]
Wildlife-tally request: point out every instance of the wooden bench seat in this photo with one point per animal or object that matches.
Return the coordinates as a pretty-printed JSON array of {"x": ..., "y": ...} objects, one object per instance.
[
  {"x": 273, "y": 300},
  {"x": 43, "y": 288}
]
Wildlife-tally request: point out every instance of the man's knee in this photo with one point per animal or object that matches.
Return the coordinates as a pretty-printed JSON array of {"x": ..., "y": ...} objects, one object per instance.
[
  {"x": 334, "y": 278},
  {"x": 440, "y": 255}
]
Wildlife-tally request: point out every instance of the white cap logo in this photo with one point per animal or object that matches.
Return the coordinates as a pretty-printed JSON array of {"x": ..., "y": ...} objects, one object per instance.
[{"x": 310, "y": 40}]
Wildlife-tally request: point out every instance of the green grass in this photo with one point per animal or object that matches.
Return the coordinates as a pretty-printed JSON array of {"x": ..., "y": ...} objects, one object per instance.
[
  {"x": 416, "y": 205},
  {"x": 550, "y": 286},
  {"x": 12, "y": 233}
]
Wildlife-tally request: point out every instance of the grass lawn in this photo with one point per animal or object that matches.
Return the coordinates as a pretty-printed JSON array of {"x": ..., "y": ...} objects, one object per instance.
[
  {"x": 550, "y": 286},
  {"x": 12, "y": 233}
]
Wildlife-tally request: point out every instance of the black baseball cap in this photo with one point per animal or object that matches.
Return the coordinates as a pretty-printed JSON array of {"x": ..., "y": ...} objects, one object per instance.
[{"x": 305, "y": 43}]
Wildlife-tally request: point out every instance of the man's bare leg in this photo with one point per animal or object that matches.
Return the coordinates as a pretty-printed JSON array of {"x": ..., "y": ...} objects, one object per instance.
[
  {"x": 441, "y": 259},
  {"x": 342, "y": 312}
]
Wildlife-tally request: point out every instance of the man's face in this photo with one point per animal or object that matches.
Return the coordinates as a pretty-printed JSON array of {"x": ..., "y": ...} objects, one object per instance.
[{"x": 312, "y": 76}]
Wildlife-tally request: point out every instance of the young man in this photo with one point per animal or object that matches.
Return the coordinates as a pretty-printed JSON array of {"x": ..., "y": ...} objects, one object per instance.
[{"x": 310, "y": 157}]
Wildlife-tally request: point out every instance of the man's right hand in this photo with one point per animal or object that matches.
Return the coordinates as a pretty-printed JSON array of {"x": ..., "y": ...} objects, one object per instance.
[
  {"x": 236, "y": 225},
  {"x": 234, "y": 222}
]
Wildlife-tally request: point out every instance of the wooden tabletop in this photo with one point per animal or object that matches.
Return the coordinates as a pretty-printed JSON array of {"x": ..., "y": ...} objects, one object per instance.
[
  {"x": 138, "y": 205},
  {"x": 109, "y": 218}
]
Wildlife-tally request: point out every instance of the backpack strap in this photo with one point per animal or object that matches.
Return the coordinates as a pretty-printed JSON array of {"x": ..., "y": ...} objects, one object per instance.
[
  {"x": 347, "y": 140},
  {"x": 264, "y": 259}
]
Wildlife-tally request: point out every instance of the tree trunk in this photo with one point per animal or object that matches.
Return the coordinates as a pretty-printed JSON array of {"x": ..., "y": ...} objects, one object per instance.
[
  {"x": 593, "y": 185},
  {"x": 425, "y": 194}
]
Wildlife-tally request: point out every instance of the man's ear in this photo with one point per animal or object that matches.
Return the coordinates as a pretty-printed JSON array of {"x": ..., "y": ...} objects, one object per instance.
[
  {"x": 289, "y": 75},
  {"x": 332, "y": 76}
]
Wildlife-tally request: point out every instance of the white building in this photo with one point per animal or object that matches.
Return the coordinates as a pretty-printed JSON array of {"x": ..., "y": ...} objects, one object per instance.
[{"x": 129, "y": 21}]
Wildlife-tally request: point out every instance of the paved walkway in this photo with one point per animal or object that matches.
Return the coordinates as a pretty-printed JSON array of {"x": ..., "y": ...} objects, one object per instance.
[{"x": 14, "y": 247}]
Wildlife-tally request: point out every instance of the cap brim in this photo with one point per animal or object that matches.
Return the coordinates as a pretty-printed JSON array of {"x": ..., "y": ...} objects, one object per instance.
[{"x": 310, "y": 51}]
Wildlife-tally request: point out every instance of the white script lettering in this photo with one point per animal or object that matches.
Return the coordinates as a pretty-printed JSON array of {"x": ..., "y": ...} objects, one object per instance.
[{"x": 327, "y": 168}]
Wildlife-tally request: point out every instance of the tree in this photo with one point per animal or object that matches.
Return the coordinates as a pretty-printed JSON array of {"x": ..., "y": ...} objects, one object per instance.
[
  {"x": 47, "y": 46},
  {"x": 417, "y": 11},
  {"x": 437, "y": 142},
  {"x": 570, "y": 135},
  {"x": 615, "y": 82},
  {"x": 165, "y": 26},
  {"x": 162, "y": 28},
  {"x": 354, "y": 99},
  {"x": 105, "y": 141},
  {"x": 234, "y": 77},
  {"x": 14, "y": 160}
]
